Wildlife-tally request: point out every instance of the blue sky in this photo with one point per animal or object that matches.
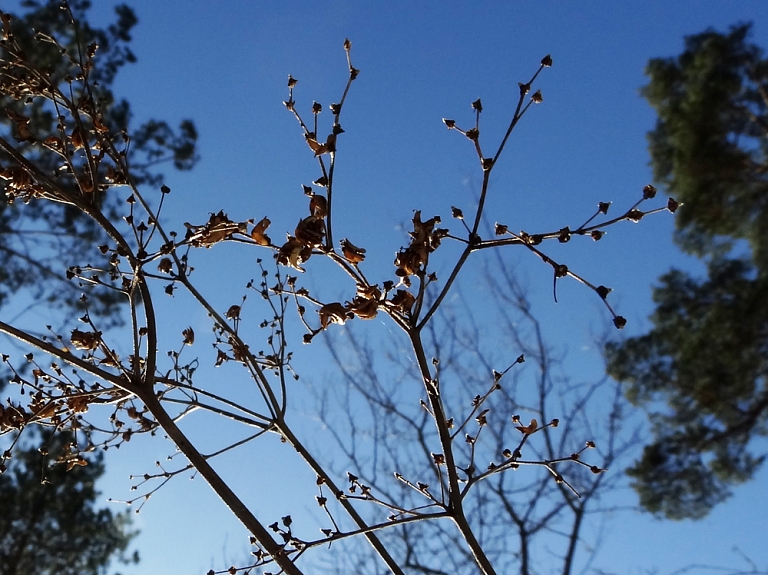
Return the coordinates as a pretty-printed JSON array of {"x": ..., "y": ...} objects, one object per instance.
[{"x": 225, "y": 65}]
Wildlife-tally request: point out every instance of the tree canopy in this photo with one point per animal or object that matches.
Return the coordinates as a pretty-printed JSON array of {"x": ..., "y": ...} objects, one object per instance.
[
  {"x": 706, "y": 356},
  {"x": 49, "y": 521},
  {"x": 34, "y": 239},
  {"x": 49, "y": 524}
]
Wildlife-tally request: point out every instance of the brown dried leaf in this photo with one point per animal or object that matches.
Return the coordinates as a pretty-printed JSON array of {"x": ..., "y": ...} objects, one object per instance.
[
  {"x": 409, "y": 260},
  {"x": 318, "y": 206},
  {"x": 218, "y": 228},
  {"x": 99, "y": 126},
  {"x": 23, "y": 133},
  {"x": 362, "y": 307},
  {"x": 165, "y": 266},
  {"x": 528, "y": 429},
  {"x": 293, "y": 253},
  {"x": 354, "y": 254},
  {"x": 85, "y": 340},
  {"x": 233, "y": 312},
  {"x": 78, "y": 461},
  {"x": 318, "y": 148},
  {"x": 403, "y": 300},
  {"x": 6, "y": 18},
  {"x": 76, "y": 137},
  {"x": 78, "y": 404},
  {"x": 258, "y": 235},
  {"x": 333, "y": 313},
  {"x": 47, "y": 410},
  {"x": 310, "y": 231}
]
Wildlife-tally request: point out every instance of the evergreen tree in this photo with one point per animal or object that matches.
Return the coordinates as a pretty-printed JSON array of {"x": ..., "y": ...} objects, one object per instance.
[
  {"x": 49, "y": 524},
  {"x": 706, "y": 357},
  {"x": 36, "y": 238}
]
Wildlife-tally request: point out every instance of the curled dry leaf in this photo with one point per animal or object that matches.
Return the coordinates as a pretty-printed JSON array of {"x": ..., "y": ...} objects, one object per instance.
[
  {"x": 23, "y": 133},
  {"x": 362, "y": 307},
  {"x": 76, "y": 137},
  {"x": 333, "y": 313},
  {"x": 351, "y": 252},
  {"x": 78, "y": 404},
  {"x": 293, "y": 253},
  {"x": 22, "y": 184},
  {"x": 318, "y": 148},
  {"x": 47, "y": 410},
  {"x": 366, "y": 302},
  {"x": 72, "y": 462},
  {"x": 310, "y": 231},
  {"x": 218, "y": 228},
  {"x": 425, "y": 238},
  {"x": 99, "y": 126},
  {"x": 403, "y": 300},
  {"x": 649, "y": 192},
  {"x": 85, "y": 340},
  {"x": 54, "y": 144},
  {"x": 528, "y": 429},
  {"x": 189, "y": 336},
  {"x": 258, "y": 235},
  {"x": 165, "y": 266},
  {"x": 318, "y": 206},
  {"x": 12, "y": 416},
  {"x": 233, "y": 312},
  {"x": 635, "y": 215},
  {"x": 6, "y": 18},
  {"x": 410, "y": 260},
  {"x": 240, "y": 351}
]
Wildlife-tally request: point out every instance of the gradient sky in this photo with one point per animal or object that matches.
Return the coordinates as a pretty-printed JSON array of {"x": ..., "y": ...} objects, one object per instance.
[{"x": 225, "y": 65}]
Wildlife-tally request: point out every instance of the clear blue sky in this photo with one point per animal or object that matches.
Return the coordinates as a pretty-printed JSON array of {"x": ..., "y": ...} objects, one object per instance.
[{"x": 225, "y": 65}]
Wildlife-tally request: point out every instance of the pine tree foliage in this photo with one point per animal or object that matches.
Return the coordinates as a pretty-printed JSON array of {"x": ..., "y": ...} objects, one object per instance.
[
  {"x": 706, "y": 356},
  {"x": 49, "y": 523},
  {"x": 34, "y": 239}
]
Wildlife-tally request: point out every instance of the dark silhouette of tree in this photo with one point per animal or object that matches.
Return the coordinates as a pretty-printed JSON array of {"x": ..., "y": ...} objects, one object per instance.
[
  {"x": 35, "y": 239},
  {"x": 706, "y": 356},
  {"x": 53, "y": 526},
  {"x": 49, "y": 523}
]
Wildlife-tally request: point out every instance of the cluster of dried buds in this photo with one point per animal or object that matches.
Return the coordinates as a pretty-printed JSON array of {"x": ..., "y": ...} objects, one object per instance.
[
  {"x": 308, "y": 235},
  {"x": 425, "y": 239},
  {"x": 21, "y": 185},
  {"x": 85, "y": 131},
  {"x": 365, "y": 305},
  {"x": 12, "y": 417}
]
